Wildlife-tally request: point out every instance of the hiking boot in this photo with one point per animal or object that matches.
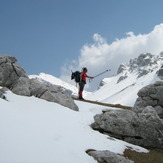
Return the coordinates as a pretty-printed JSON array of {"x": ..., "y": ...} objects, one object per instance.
[{"x": 81, "y": 98}]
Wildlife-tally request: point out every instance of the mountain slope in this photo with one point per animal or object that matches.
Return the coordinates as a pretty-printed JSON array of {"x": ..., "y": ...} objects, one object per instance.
[
  {"x": 121, "y": 88},
  {"x": 37, "y": 131},
  {"x": 130, "y": 78}
]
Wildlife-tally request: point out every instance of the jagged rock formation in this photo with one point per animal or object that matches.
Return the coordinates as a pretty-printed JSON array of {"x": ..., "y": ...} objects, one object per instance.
[
  {"x": 142, "y": 125},
  {"x": 14, "y": 78},
  {"x": 108, "y": 157},
  {"x": 142, "y": 65}
]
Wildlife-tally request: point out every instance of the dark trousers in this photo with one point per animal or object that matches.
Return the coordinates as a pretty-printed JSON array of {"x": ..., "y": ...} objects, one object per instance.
[{"x": 81, "y": 88}]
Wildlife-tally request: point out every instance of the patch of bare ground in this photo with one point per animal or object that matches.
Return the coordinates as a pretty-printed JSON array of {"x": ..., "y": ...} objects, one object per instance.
[{"x": 154, "y": 156}]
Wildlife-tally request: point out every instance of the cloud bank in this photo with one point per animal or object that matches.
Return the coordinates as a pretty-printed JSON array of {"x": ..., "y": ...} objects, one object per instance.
[{"x": 100, "y": 55}]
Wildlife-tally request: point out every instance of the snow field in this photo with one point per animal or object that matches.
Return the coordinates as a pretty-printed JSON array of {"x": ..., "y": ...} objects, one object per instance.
[{"x": 37, "y": 131}]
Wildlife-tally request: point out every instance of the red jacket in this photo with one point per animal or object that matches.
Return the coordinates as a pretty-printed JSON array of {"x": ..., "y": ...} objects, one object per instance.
[{"x": 83, "y": 76}]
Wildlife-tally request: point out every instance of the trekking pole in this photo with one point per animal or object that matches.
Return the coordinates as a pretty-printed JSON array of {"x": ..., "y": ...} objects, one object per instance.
[{"x": 102, "y": 73}]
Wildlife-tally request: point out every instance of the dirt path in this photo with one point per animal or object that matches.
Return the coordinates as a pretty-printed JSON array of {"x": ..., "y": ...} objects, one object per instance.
[{"x": 105, "y": 104}]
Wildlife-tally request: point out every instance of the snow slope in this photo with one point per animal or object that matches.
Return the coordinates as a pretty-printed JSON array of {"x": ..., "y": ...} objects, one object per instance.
[
  {"x": 125, "y": 92},
  {"x": 134, "y": 77},
  {"x": 37, "y": 131}
]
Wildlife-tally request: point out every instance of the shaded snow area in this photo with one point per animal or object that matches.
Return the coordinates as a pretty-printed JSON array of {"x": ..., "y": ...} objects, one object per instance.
[{"x": 37, "y": 131}]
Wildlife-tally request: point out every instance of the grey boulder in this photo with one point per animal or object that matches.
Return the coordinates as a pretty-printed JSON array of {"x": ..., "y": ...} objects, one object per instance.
[
  {"x": 52, "y": 93},
  {"x": 108, "y": 157},
  {"x": 144, "y": 129},
  {"x": 143, "y": 125},
  {"x": 10, "y": 71},
  {"x": 151, "y": 95}
]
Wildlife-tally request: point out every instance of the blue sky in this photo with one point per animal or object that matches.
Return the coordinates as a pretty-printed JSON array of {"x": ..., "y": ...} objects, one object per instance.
[{"x": 45, "y": 35}]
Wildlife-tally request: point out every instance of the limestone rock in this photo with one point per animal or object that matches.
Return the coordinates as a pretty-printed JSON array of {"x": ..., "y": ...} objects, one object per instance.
[
  {"x": 160, "y": 73},
  {"x": 108, "y": 157},
  {"x": 22, "y": 87},
  {"x": 14, "y": 77},
  {"x": 2, "y": 93},
  {"x": 144, "y": 129},
  {"x": 121, "y": 68},
  {"x": 151, "y": 95},
  {"x": 52, "y": 93},
  {"x": 142, "y": 125},
  {"x": 10, "y": 71}
]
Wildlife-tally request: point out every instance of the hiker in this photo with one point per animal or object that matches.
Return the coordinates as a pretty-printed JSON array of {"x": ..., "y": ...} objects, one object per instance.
[{"x": 82, "y": 82}]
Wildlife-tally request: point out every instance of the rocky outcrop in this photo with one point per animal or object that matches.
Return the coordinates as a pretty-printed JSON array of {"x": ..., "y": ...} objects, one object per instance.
[
  {"x": 10, "y": 72},
  {"x": 121, "y": 68},
  {"x": 52, "y": 93},
  {"x": 2, "y": 93},
  {"x": 144, "y": 60},
  {"x": 142, "y": 125},
  {"x": 14, "y": 77},
  {"x": 144, "y": 64},
  {"x": 160, "y": 73},
  {"x": 151, "y": 95},
  {"x": 122, "y": 78},
  {"x": 108, "y": 157},
  {"x": 145, "y": 129}
]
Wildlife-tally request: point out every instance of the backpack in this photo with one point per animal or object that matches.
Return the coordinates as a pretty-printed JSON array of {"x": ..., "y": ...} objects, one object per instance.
[{"x": 76, "y": 76}]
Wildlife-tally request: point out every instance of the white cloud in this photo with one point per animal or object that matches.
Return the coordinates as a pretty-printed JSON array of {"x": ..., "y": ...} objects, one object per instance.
[
  {"x": 97, "y": 38},
  {"x": 100, "y": 55}
]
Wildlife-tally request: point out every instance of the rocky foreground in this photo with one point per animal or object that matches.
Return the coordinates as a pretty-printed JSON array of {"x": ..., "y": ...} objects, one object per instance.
[{"x": 143, "y": 125}]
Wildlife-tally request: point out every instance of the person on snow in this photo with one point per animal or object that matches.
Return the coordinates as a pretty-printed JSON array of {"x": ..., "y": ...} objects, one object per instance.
[{"x": 82, "y": 82}]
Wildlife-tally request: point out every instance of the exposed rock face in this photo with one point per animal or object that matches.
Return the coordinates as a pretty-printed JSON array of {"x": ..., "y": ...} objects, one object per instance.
[
  {"x": 108, "y": 157},
  {"x": 145, "y": 129},
  {"x": 14, "y": 77},
  {"x": 142, "y": 61},
  {"x": 2, "y": 93},
  {"x": 142, "y": 125},
  {"x": 151, "y": 95},
  {"x": 121, "y": 68},
  {"x": 122, "y": 78},
  {"x": 142, "y": 65},
  {"x": 160, "y": 73},
  {"x": 10, "y": 72}
]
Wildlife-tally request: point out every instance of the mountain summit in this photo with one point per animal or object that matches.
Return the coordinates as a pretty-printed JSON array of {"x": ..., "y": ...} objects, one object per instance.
[{"x": 143, "y": 65}]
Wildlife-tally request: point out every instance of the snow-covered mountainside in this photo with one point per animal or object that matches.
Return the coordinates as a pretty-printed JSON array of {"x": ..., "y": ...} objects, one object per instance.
[
  {"x": 36, "y": 131},
  {"x": 130, "y": 78},
  {"x": 49, "y": 79},
  {"x": 121, "y": 88}
]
